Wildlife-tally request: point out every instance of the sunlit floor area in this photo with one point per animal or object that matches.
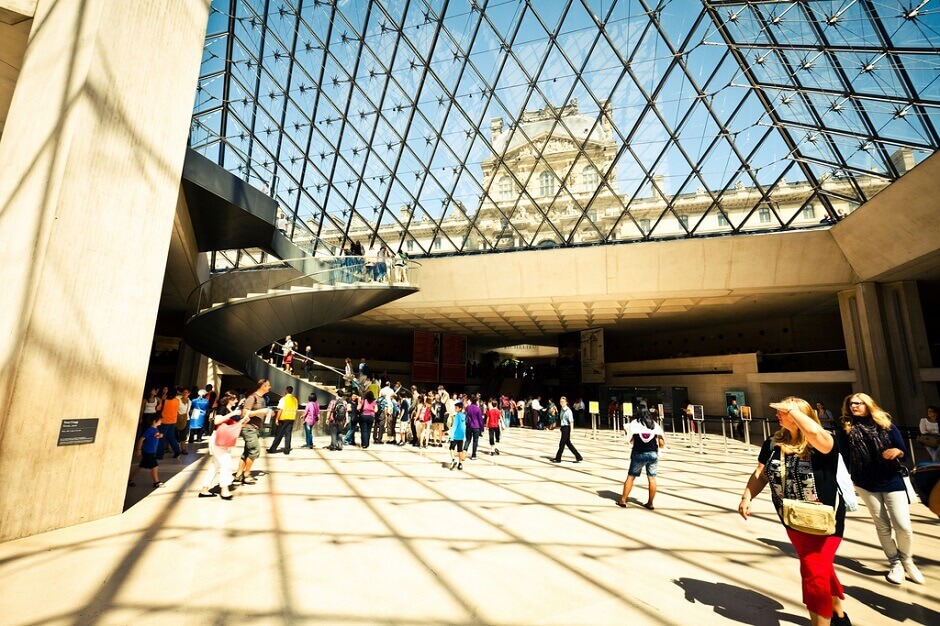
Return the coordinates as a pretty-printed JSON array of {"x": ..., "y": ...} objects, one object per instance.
[{"x": 393, "y": 536}]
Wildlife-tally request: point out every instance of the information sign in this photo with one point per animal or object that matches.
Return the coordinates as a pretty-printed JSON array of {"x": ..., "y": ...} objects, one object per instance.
[
  {"x": 698, "y": 413},
  {"x": 746, "y": 413},
  {"x": 74, "y": 432},
  {"x": 594, "y": 407}
]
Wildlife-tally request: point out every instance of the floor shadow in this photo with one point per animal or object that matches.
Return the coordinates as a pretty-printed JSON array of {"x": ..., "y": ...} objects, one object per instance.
[
  {"x": 738, "y": 604},
  {"x": 896, "y": 610},
  {"x": 607, "y": 494},
  {"x": 841, "y": 561}
]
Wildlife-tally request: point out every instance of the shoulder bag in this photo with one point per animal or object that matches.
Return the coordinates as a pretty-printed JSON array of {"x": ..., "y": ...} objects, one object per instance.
[
  {"x": 226, "y": 435},
  {"x": 812, "y": 518}
]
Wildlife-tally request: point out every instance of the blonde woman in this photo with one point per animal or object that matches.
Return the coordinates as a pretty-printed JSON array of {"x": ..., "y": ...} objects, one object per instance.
[
  {"x": 800, "y": 462},
  {"x": 873, "y": 448}
]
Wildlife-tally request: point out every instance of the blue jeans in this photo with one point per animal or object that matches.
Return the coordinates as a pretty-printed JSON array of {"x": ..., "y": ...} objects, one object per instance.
[
  {"x": 350, "y": 438},
  {"x": 169, "y": 438},
  {"x": 308, "y": 434}
]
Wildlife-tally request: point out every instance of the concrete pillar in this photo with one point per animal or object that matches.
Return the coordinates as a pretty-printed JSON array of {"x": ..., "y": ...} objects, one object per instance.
[
  {"x": 886, "y": 343},
  {"x": 90, "y": 162}
]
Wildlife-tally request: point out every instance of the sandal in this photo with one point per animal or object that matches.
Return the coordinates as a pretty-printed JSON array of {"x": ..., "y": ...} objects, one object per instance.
[
  {"x": 207, "y": 495},
  {"x": 159, "y": 485},
  {"x": 622, "y": 505},
  {"x": 649, "y": 505}
]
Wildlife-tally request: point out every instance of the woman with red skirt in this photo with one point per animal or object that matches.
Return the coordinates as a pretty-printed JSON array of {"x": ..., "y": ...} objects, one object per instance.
[{"x": 800, "y": 462}]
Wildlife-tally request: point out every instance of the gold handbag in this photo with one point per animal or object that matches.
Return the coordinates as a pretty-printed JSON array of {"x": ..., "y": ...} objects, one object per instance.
[{"x": 812, "y": 518}]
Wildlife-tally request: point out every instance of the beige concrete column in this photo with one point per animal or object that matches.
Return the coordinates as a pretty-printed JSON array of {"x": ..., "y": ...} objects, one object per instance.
[
  {"x": 886, "y": 342},
  {"x": 90, "y": 162}
]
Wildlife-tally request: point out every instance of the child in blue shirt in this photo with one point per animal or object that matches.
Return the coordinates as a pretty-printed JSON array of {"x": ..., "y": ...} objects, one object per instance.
[
  {"x": 147, "y": 451},
  {"x": 458, "y": 432}
]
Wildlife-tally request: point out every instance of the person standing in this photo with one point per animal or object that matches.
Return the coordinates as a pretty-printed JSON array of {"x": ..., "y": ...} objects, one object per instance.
[
  {"x": 873, "y": 448},
  {"x": 255, "y": 408},
  {"x": 825, "y": 417},
  {"x": 493, "y": 418},
  {"x": 475, "y": 424},
  {"x": 734, "y": 414},
  {"x": 148, "y": 410},
  {"x": 352, "y": 416},
  {"x": 535, "y": 411},
  {"x": 367, "y": 417},
  {"x": 566, "y": 419},
  {"x": 285, "y": 418},
  {"x": 311, "y": 417},
  {"x": 647, "y": 437},
  {"x": 168, "y": 416},
  {"x": 800, "y": 462},
  {"x": 182, "y": 420},
  {"x": 930, "y": 433},
  {"x": 221, "y": 456},
  {"x": 197, "y": 418}
]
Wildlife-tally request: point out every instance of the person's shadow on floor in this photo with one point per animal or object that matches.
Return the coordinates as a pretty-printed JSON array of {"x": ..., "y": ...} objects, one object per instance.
[
  {"x": 892, "y": 609},
  {"x": 787, "y": 548},
  {"x": 738, "y": 604}
]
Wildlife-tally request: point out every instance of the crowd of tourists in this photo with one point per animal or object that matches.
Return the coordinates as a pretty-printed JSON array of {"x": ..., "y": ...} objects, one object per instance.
[{"x": 815, "y": 474}]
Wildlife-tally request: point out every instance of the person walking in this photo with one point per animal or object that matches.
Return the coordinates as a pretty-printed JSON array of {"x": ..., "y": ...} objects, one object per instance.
[
  {"x": 285, "y": 418},
  {"x": 147, "y": 451},
  {"x": 311, "y": 417},
  {"x": 169, "y": 413},
  {"x": 255, "y": 408},
  {"x": 457, "y": 434},
  {"x": 566, "y": 420},
  {"x": 182, "y": 421},
  {"x": 873, "y": 448},
  {"x": 220, "y": 452},
  {"x": 475, "y": 425},
  {"x": 647, "y": 437},
  {"x": 338, "y": 421},
  {"x": 800, "y": 462},
  {"x": 493, "y": 425}
]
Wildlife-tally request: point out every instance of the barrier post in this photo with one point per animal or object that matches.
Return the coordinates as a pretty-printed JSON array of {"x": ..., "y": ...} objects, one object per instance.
[
  {"x": 724, "y": 435},
  {"x": 594, "y": 426},
  {"x": 701, "y": 438}
]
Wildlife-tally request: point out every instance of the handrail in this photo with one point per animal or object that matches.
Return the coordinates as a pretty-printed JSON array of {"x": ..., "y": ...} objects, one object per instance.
[
  {"x": 337, "y": 270},
  {"x": 304, "y": 358}
]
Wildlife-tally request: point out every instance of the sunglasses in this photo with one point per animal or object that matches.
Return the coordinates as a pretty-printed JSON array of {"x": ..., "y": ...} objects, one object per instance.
[{"x": 856, "y": 403}]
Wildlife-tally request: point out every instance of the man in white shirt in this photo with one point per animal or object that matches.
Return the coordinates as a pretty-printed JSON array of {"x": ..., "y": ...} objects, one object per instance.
[{"x": 288, "y": 346}]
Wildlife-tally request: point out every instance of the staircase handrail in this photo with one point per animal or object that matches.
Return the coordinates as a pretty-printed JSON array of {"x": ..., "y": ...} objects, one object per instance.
[{"x": 346, "y": 270}]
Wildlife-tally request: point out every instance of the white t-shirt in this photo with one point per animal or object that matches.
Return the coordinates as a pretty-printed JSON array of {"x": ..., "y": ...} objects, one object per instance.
[
  {"x": 535, "y": 405},
  {"x": 288, "y": 347},
  {"x": 184, "y": 407},
  {"x": 386, "y": 392},
  {"x": 929, "y": 428}
]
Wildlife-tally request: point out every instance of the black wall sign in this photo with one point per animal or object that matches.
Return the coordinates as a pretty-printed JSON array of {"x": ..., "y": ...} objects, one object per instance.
[{"x": 74, "y": 432}]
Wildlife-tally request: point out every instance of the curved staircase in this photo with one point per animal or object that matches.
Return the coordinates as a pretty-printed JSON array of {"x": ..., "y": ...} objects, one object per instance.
[{"x": 234, "y": 315}]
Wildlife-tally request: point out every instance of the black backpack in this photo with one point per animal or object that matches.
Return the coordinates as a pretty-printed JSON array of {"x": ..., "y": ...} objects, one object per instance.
[{"x": 339, "y": 411}]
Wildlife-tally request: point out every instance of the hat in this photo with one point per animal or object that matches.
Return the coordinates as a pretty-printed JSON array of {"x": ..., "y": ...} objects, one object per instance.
[
  {"x": 201, "y": 393},
  {"x": 459, "y": 401}
]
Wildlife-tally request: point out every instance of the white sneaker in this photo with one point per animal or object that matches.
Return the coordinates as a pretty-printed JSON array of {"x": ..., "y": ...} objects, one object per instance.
[
  {"x": 912, "y": 572},
  {"x": 896, "y": 574}
]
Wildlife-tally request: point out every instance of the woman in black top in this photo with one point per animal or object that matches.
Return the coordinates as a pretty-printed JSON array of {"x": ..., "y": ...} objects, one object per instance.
[{"x": 811, "y": 458}]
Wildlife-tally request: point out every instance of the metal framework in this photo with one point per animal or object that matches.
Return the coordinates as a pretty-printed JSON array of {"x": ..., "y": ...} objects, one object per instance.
[{"x": 370, "y": 119}]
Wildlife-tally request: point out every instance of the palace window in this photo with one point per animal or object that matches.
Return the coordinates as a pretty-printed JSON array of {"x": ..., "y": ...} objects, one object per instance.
[
  {"x": 589, "y": 178},
  {"x": 546, "y": 184},
  {"x": 809, "y": 212},
  {"x": 764, "y": 216},
  {"x": 505, "y": 188}
]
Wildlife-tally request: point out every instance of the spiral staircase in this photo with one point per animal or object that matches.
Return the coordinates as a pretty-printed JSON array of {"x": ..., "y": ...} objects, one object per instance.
[{"x": 235, "y": 314}]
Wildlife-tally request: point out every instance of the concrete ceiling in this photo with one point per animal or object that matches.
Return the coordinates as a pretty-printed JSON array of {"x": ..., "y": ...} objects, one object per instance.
[{"x": 538, "y": 320}]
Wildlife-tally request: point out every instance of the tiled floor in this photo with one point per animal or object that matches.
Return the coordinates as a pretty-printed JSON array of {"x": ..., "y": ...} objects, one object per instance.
[{"x": 389, "y": 535}]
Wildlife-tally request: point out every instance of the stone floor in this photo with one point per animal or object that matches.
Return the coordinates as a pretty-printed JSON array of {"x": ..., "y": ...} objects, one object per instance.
[{"x": 390, "y": 535}]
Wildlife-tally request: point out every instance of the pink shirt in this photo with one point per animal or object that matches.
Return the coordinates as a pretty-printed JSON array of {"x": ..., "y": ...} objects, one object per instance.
[{"x": 311, "y": 413}]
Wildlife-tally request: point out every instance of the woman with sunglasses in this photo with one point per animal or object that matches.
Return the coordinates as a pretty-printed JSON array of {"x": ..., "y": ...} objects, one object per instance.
[
  {"x": 800, "y": 462},
  {"x": 872, "y": 448}
]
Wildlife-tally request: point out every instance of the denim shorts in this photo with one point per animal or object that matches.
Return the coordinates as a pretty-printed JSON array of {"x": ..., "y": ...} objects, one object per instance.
[{"x": 649, "y": 460}]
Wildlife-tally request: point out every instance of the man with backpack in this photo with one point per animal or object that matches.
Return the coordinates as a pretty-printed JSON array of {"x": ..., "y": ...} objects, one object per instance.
[{"x": 337, "y": 420}]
